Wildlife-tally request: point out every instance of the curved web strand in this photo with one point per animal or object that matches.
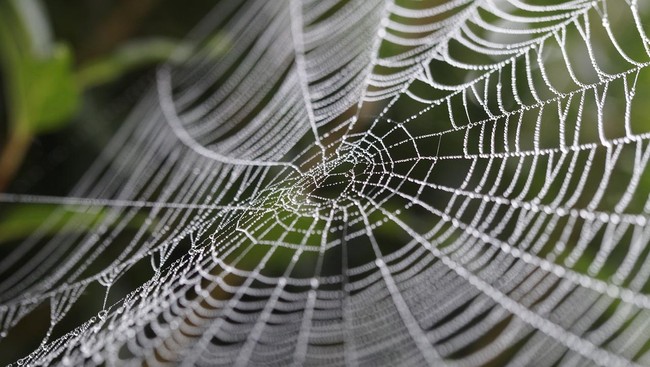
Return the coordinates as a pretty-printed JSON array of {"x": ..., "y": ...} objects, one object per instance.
[{"x": 362, "y": 183}]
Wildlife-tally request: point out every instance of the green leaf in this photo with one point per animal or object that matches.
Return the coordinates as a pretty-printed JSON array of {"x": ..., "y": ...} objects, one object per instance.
[
  {"x": 129, "y": 57},
  {"x": 144, "y": 52},
  {"x": 40, "y": 84},
  {"x": 51, "y": 91}
]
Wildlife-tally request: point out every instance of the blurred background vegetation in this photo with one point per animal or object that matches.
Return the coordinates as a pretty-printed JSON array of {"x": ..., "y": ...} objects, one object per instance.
[{"x": 70, "y": 70}]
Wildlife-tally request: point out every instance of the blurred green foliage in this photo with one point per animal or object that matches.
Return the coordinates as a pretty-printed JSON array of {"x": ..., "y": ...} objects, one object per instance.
[
  {"x": 128, "y": 57},
  {"x": 51, "y": 93},
  {"x": 47, "y": 84},
  {"x": 40, "y": 82},
  {"x": 70, "y": 70},
  {"x": 46, "y": 81}
]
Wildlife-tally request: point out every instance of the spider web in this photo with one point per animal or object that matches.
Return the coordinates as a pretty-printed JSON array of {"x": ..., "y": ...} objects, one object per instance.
[{"x": 360, "y": 183}]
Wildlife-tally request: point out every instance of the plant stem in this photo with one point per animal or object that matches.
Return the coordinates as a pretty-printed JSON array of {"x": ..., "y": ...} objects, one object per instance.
[{"x": 12, "y": 156}]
